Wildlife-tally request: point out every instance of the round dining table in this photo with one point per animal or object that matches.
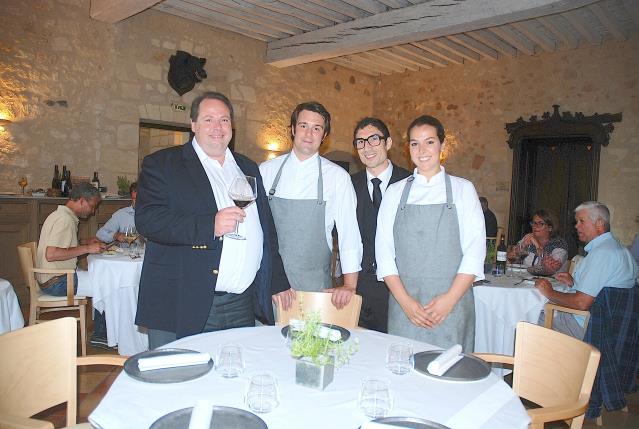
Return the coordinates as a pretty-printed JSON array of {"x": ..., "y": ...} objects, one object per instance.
[
  {"x": 485, "y": 403},
  {"x": 115, "y": 280}
]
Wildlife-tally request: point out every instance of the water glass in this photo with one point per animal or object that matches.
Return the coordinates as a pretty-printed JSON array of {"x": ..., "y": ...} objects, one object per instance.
[
  {"x": 229, "y": 361},
  {"x": 261, "y": 395},
  {"x": 375, "y": 398},
  {"x": 399, "y": 358}
]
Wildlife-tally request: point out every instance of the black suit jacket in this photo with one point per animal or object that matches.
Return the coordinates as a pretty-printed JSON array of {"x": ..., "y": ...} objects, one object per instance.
[
  {"x": 366, "y": 216},
  {"x": 175, "y": 211}
]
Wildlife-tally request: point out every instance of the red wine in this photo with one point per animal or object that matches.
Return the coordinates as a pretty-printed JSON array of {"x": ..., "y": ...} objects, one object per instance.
[{"x": 242, "y": 203}]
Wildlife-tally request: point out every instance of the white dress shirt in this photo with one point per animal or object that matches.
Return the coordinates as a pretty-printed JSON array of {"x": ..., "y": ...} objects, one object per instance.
[
  {"x": 240, "y": 258},
  {"x": 299, "y": 181},
  {"x": 472, "y": 229},
  {"x": 384, "y": 176}
]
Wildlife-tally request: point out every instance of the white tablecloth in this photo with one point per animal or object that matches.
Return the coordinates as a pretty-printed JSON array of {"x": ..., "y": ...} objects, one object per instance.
[
  {"x": 10, "y": 314},
  {"x": 115, "y": 280},
  {"x": 487, "y": 403}
]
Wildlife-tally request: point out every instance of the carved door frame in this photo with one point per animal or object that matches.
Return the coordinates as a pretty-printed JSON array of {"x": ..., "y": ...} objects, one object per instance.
[{"x": 565, "y": 125}]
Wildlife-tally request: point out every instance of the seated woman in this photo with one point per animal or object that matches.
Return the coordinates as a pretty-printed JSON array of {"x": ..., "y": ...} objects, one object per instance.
[{"x": 544, "y": 241}]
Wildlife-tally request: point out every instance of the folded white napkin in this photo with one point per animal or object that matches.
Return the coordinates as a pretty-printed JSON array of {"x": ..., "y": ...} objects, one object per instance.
[
  {"x": 445, "y": 360},
  {"x": 201, "y": 415},
  {"x": 173, "y": 360},
  {"x": 296, "y": 324},
  {"x": 331, "y": 334}
]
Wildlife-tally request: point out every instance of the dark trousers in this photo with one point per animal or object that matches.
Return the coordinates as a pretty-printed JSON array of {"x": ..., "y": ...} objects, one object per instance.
[
  {"x": 374, "y": 313},
  {"x": 228, "y": 311}
]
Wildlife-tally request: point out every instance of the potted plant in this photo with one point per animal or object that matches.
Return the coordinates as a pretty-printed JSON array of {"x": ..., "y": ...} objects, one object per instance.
[
  {"x": 123, "y": 186},
  {"x": 317, "y": 352}
]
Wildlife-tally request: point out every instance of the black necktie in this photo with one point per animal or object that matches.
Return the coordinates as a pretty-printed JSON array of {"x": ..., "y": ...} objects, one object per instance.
[{"x": 377, "y": 193}]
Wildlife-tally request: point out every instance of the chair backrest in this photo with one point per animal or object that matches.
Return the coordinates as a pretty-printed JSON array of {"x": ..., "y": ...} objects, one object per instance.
[
  {"x": 306, "y": 302},
  {"x": 27, "y": 257},
  {"x": 552, "y": 368},
  {"x": 573, "y": 263},
  {"x": 38, "y": 369}
]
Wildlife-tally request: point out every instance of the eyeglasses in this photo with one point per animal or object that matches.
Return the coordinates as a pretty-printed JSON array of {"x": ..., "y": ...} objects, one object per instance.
[
  {"x": 539, "y": 224},
  {"x": 373, "y": 140}
]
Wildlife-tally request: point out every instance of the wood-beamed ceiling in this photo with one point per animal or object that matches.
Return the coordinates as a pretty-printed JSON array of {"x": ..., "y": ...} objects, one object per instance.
[{"x": 379, "y": 37}]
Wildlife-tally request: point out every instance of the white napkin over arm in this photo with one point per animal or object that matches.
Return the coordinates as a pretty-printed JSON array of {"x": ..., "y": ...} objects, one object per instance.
[
  {"x": 201, "y": 415},
  {"x": 173, "y": 360},
  {"x": 445, "y": 360}
]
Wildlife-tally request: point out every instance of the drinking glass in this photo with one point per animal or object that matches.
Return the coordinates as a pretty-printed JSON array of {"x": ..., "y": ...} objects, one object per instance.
[
  {"x": 130, "y": 234},
  {"x": 512, "y": 255},
  {"x": 243, "y": 191},
  {"x": 399, "y": 358},
  {"x": 261, "y": 395},
  {"x": 375, "y": 398},
  {"x": 229, "y": 362}
]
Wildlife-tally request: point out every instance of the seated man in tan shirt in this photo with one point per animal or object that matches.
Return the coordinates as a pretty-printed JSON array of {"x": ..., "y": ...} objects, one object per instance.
[{"x": 58, "y": 248}]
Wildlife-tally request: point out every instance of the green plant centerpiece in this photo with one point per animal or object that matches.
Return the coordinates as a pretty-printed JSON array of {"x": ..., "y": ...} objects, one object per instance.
[
  {"x": 123, "y": 185},
  {"x": 317, "y": 351}
]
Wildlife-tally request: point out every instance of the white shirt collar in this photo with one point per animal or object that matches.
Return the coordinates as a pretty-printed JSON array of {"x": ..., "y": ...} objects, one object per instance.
[
  {"x": 203, "y": 157},
  {"x": 435, "y": 180},
  {"x": 296, "y": 160}
]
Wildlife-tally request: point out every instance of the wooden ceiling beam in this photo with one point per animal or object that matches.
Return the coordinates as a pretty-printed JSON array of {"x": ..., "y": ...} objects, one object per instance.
[
  {"x": 342, "y": 62},
  {"x": 369, "y": 6},
  {"x": 395, "y": 4},
  {"x": 490, "y": 39},
  {"x": 426, "y": 20},
  {"x": 254, "y": 9},
  {"x": 513, "y": 37},
  {"x": 383, "y": 61},
  {"x": 112, "y": 11},
  {"x": 632, "y": 10},
  {"x": 365, "y": 62},
  {"x": 283, "y": 9},
  {"x": 397, "y": 58},
  {"x": 608, "y": 21},
  {"x": 582, "y": 27},
  {"x": 475, "y": 45},
  {"x": 563, "y": 34},
  {"x": 421, "y": 54},
  {"x": 342, "y": 7},
  {"x": 309, "y": 7},
  {"x": 440, "y": 52},
  {"x": 408, "y": 57},
  {"x": 530, "y": 30},
  {"x": 456, "y": 48}
]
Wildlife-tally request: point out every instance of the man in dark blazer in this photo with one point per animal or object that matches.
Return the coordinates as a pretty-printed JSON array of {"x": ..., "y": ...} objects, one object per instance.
[
  {"x": 372, "y": 141},
  {"x": 194, "y": 279}
]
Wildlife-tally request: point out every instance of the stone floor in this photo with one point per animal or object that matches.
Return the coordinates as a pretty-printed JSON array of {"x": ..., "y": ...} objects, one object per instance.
[{"x": 94, "y": 382}]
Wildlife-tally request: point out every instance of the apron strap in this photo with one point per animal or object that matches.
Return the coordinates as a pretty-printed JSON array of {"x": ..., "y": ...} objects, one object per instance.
[
  {"x": 320, "y": 180},
  {"x": 402, "y": 201},
  {"x": 271, "y": 192},
  {"x": 449, "y": 192}
]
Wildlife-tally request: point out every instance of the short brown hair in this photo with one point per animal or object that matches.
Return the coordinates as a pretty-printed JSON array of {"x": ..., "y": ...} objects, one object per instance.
[{"x": 312, "y": 106}]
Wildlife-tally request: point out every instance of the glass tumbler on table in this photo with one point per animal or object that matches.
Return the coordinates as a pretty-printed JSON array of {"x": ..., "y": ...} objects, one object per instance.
[
  {"x": 262, "y": 395},
  {"x": 399, "y": 358},
  {"x": 229, "y": 362},
  {"x": 375, "y": 398}
]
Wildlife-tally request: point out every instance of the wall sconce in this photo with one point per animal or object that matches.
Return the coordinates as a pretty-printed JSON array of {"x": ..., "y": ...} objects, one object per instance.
[{"x": 4, "y": 121}]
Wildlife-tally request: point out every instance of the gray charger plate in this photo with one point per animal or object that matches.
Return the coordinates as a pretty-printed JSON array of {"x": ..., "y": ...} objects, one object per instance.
[
  {"x": 167, "y": 375},
  {"x": 223, "y": 418},
  {"x": 470, "y": 368},
  {"x": 410, "y": 422},
  {"x": 345, "y": 332}
]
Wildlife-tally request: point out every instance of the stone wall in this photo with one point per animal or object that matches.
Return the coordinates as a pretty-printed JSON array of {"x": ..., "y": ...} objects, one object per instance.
[
  {"x": 475, "y": 101},
  {"x": 77, "y": 88}
]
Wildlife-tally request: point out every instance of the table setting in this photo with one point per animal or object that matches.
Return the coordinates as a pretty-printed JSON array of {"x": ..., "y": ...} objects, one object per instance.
[{"x": 380, "y": 384}]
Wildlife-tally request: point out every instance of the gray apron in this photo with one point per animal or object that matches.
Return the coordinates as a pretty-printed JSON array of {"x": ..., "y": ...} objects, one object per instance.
[
  {"x": 302, "y": 237},
  {"x": 428, "y": 253}
]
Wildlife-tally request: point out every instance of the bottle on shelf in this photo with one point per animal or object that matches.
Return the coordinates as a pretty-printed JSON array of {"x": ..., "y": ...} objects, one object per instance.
[
  {"x": 64, "y": 191},
  {"x": 95, "y": 181},
  {"x": 69, "y": 184},
  {"x": 56, "y": 183},
  {"x": 500, "y": 265}
]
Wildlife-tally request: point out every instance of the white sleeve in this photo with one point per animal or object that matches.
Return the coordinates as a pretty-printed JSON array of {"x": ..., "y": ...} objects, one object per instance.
[
  {"x": 472, "y": 230},
  {"x": 350, "y": 241},
  {"x": 384, "y": 239}
]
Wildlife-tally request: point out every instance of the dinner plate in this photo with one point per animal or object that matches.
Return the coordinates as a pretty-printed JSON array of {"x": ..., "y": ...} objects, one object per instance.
[
  {"x": 410, "y": 422},
  {"x": 165, "y": 375},
  {"x": 469, "y": 368},
  {"x": 345, "y": 332},
  {"x": 223, "y": 417},
  {"x": 537, "y": 270}
]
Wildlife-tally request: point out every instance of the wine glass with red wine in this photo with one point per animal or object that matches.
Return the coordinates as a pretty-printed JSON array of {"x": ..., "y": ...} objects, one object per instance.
[{"x": 243, "y": 191}]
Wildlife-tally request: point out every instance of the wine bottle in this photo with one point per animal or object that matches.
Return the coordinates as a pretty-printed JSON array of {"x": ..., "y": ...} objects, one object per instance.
[
  {"x": 95, "y": 181},
  {"x": 64, "y": 191},
  {"x": 500, "y": 266},
  {"x": 69, "y": 184},
  {"x": 55, "y": 183}
]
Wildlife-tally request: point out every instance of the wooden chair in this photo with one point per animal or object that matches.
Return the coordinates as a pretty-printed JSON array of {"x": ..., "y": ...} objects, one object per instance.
[
  {"x": 549, "y": 314},
  {"x": 38, "y": 369},
  {"x": 553, "y": 370},
  {"x": 40, "y": 302},
  {"x": 347, "y": 317}
]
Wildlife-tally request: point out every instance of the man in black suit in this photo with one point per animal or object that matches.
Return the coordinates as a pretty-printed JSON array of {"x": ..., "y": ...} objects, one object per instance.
[
  {"x": 372, "y": 141},
  {"x": 194, "y": 279}
]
